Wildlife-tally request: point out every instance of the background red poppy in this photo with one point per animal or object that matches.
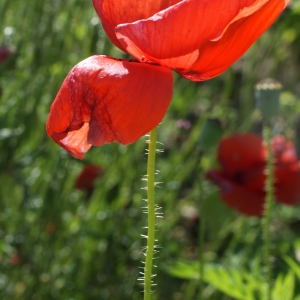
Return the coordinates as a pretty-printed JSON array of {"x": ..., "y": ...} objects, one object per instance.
[
  {"x": 88, "y": 175},
  {"x": 242, "y": 175}
]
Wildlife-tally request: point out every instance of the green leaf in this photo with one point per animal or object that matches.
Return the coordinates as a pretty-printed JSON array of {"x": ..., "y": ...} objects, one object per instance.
[
  {"x": 284, "y": 287},
  {"x": 235, "y": 283},
  {"x": 293, "y": 265}
]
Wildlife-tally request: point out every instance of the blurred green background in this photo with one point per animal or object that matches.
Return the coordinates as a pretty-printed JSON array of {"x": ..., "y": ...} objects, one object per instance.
[{"x": 57, "y": 244}]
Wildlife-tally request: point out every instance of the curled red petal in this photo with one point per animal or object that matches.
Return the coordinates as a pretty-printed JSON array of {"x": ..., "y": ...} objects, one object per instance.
[
  {"x": 245, "y": 201},
  {"x": 199, "y": 39},
  {"x": 115, "y": 12},
  {"x": 241, "y": 152},
  {"x": 104, "y": 99}
]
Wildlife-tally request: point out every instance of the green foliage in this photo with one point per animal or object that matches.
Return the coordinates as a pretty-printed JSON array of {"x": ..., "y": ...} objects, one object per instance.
[
  {"x": 57, "y": 243},
  {"x": 237, "y": 283}
]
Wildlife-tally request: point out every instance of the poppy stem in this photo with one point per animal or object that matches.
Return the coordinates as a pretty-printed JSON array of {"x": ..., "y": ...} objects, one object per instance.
[
  {"x": 268, "y": 210},
  {"x": 201, "y": 250},
  {"x": 151, "y": 215},
  {"x": 201, "y": 233}
]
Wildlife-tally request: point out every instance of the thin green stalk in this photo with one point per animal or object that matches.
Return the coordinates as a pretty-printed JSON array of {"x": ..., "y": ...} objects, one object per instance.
[
  {"x": 268, "y": 211},
  {"x": 151, "y": 215},
  {"x": 201, "y": 236}
]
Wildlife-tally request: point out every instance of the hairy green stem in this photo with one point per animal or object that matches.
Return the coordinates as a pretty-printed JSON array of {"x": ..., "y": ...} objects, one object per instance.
[
  {"x": 151, "y": 215},
  {"x": 268, "y": 211}
]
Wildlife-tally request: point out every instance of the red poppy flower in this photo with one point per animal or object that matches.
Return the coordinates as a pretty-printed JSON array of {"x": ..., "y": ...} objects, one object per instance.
[
  {"x": 4, "y": 53},
  {"x": 86, "y": 179},
  {"x": 104, "y": 99},
  {"x": 242, "y": 175}
]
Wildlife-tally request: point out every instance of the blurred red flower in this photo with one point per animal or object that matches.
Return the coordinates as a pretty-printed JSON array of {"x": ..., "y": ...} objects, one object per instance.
[
  {"x": 104, "y": 99},
  {"x": 50, "y": 228},
  {"x": 14, "y": 259},
  {"x": 4, "y": 53},
  {"x": 242, "y": 174},
  {"x": 86, "y": 179}
]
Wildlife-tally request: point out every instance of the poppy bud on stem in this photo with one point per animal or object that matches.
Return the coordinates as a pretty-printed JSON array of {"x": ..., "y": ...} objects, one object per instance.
[
  {"x": 268, "y": 210},
  {"x": 267, "y": 94}
]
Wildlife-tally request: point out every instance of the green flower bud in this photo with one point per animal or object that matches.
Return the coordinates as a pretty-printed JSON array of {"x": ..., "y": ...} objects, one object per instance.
[{"x": 267, "y": 92}]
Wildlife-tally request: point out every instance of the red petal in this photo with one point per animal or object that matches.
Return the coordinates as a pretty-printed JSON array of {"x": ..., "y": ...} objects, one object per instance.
[
  {"x": 284, "y": 151},
  {"x": 200, "y": 39},
  {"x": 245, "y": 201},
  {"x": 241, "y": 152},
  {"x": 252, "y": 178},
  {"x": 285, "y": 157},
  {"x": 283, "y": 171},
  {"x": 288, "y": 192},
  {"x": 115, "y": 12},
  {"x": 104, "y": 100}
]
